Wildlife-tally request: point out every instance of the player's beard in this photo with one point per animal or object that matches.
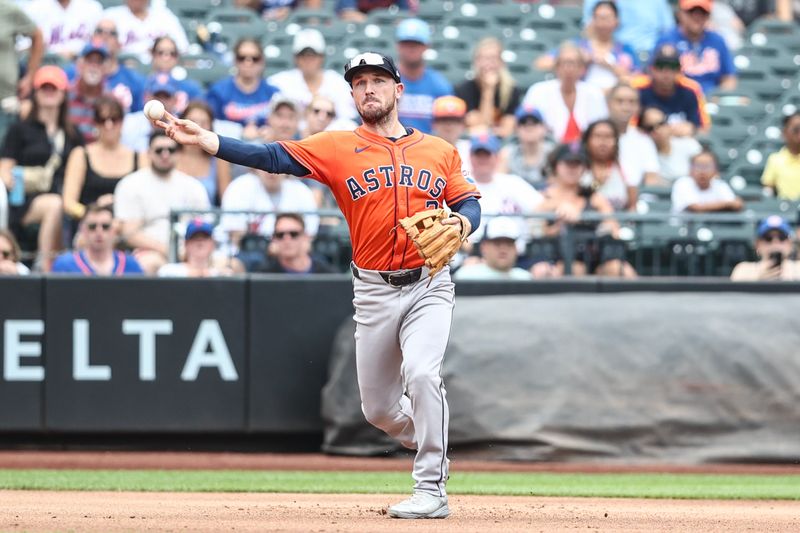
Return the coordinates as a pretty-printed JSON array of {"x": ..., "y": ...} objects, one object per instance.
[{"x": 377, "y": 116}]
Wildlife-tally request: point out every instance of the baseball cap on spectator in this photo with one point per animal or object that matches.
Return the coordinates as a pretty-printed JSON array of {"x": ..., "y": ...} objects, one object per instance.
[
  {"x": 308, "y": 39},
  {"x": 571, "y": 152},
  {"x": 94, "y": 47},
  {"x": 160, "y": 83},
  {"x": 366, "y": 60},
  {"x": 51, "y": 74},
  {"x": 666, "y": 56},
  {"x": 687, "y": 5},
  {"x": 280, "y": 100},
  {"x": 774, "y": 223},
  {"x": 527, "y": 111},
  {"x": 415, "y": 30},
  {"x": 198, "y": 225},
  {"x": 449, "y": 107},
  {"x": 486, "y": 142},
  {"x": 502, "y": 228}
]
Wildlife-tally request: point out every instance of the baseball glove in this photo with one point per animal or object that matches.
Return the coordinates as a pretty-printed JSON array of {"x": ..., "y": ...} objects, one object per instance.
[{"x": 436, "y": 243}]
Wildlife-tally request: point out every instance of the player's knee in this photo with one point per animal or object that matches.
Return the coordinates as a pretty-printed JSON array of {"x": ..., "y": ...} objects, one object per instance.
[
  {"x": 421, "y": 378},
  {"x": 379, "y": 416}
]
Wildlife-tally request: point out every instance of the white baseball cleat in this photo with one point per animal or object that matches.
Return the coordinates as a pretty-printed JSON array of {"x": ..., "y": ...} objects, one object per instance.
[{"x": 421, "y": 505}]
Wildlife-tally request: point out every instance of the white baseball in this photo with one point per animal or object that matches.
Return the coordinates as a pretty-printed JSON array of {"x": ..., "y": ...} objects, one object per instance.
[{"x": 154, "y": 110}]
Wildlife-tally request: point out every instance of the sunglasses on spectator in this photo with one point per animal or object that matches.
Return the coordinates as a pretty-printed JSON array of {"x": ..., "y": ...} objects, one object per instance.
[
  {"x": 171, "y": 53},
  {"x": 769, "y": 237},
  {"x": 162, "y": 149},
  {"x": 704, "y": 167},
  {"x": 5, "y": 254},
  {"x": 317, "y": 111},
  {"x": 667, "y": 65},
  {"x": 93, "y": 226},
  {"x": 281, "y": 234},
  {"x": 102, "y": 120},
  {"x": 650, "y": 128},
  {"x": 243, "y": 58},
  {"x": 103, "y": 31},
  {"x": 795, "y": 130}
]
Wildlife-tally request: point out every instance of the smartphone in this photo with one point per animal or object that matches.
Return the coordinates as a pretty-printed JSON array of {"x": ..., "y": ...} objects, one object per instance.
[{"x": 776, "y": 258}]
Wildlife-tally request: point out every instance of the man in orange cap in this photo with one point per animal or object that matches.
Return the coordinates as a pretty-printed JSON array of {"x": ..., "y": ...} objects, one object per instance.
[
  {"x": 448, "y": 123},
  {"x": 704, "y": 55}
]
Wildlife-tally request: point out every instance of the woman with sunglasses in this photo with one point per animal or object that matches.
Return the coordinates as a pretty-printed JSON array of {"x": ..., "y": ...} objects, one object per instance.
[
  {"x": 165, "y": 58},
  {"x": 674, "y": 153},
  {"x": 244, "y": 97},
  {"x": 213, "y": 173},
  {"x": 10, "y": 264},
  {"x": 34, "y": 152},
  {"x": 93, "y": 171}
]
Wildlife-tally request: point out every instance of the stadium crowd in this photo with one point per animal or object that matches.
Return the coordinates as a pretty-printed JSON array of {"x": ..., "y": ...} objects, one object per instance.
[{"x": 611, "y": 124}]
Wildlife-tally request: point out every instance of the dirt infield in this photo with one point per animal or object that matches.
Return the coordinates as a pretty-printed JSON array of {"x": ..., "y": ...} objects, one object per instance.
[
  {"x": 126, "y": 511},
  {"x": 131, "y": 511}
]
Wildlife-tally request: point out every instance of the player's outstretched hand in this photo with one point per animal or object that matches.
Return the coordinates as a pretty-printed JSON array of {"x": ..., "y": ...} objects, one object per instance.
[{"x": 188, "y": 133}]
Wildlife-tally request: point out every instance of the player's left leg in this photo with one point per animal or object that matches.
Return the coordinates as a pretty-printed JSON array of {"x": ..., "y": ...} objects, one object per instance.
[{"x": 423, "y": 338}]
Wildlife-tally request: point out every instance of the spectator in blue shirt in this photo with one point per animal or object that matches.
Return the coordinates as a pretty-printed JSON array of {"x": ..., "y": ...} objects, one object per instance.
[
  {"x": 678, "y": 97},
  {"x": 165, "y": 58},
  {"x": 245, "y": 96},
  {"x": 642, "y": 22},
  {"x": 97, "y": 256},
  {"x": 126, "y": 85},
  {"x": 705, "y": 57},
  {"x": 423, "y": 84}
]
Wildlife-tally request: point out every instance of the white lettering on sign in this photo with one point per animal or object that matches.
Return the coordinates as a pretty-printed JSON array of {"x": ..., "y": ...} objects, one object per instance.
[
  {"x": 82, "y": 369},
  {"x": 14, "y": 349},
  {"x": 147, "y": 331},
  {"x": 209, "y": 335}
]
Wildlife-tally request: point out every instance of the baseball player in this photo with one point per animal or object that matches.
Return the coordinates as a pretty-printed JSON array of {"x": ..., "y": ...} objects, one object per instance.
[{"x": 380, "y": 174}]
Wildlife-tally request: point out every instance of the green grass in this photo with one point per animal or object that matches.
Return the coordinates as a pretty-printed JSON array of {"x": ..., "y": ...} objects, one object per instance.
[{"x": 786, "y": 487}]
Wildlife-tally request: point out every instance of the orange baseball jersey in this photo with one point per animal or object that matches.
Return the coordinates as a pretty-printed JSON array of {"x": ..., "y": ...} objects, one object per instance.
[{"x": 376, "y": 182}]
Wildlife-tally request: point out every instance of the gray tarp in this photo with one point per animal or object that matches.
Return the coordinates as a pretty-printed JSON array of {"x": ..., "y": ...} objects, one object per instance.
[{"x": 684, "y": 377}]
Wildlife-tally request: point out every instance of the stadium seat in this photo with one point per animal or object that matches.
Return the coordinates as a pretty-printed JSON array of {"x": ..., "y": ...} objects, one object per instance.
[
  {"x": 205, "y": 68},
  {"x": 311, "y": 17}
]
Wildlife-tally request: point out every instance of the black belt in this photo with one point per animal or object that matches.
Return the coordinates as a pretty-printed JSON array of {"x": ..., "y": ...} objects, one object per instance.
[{"x": 396, "y": 278}]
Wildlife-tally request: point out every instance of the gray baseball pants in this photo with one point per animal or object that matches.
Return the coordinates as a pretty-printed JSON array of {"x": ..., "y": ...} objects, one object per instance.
[{"x": 401, "y": 335}]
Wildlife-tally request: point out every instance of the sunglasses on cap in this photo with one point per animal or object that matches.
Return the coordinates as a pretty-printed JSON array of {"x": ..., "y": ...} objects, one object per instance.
[
  {"x": 281, "y": 234},
  {"x": 367, "y": 58},
  {"x": 94, "y": 225}
]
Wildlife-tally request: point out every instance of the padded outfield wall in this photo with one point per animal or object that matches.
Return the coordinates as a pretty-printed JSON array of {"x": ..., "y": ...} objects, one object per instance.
[{"x": 690, "y": 371}]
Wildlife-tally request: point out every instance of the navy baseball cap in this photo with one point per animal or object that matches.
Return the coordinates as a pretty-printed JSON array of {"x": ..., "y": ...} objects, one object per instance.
[
  {"x": 667, "y": 56},
  {"x": 486, "y": 142},
  {"x": 94, "y": 47},
  {"x": 774, "y": 223},
  {"x": 370, "y": 60},
  {"x": 196, "y": 226},
  {"x": 525, "y": 111},
  {"x": 570, "y": 152},
  {"x": 416, "y": 30}
]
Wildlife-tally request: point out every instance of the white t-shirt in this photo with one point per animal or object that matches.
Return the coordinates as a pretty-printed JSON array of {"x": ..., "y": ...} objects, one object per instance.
[
  {"x": 247, "y": 193},
  {"x": 181, "y": 270},
  {"x": 637, "y": 155},
  {"x": 292, "y": 85},
  {"x": 507, "y": 194},
  {"x": 685, "y": 192},
  {"x": 65, "y": 31},
  {"x": 145, "y": 197},
  {"x": 136, "y": 36},
  {"x": 482, "y": 271},
  {"x": 676, "y": 164},
  {"x": 590, "y": 105}
]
